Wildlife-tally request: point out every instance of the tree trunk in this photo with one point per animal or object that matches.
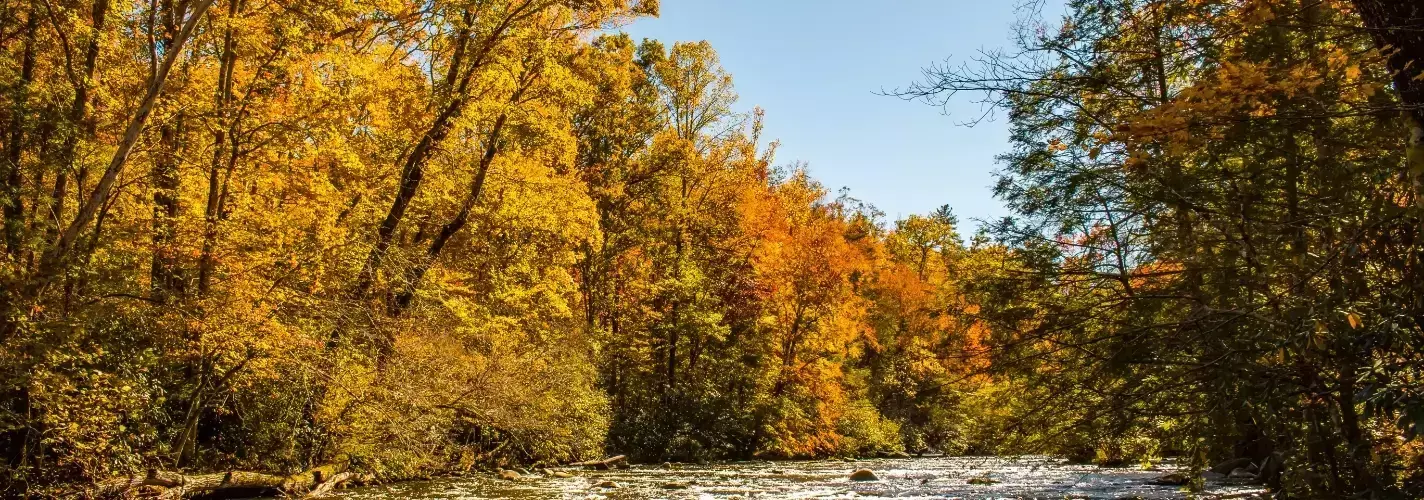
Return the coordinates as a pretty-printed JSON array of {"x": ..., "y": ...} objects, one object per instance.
[
  {"x": 1398, "y": 28},
  {"x": 413, "y": 170},
  {"x": 14, "y": 208},
  {"x": 79, "y": 123},
  {"x": 165, "y": 274},
  {"x": 232, "y": 484},
  {"x": 457, "y": 80},
  {"x": 417, "y": 273},
  {"x": 207, "y": 260},
  {"x": 59, "y": 251}
]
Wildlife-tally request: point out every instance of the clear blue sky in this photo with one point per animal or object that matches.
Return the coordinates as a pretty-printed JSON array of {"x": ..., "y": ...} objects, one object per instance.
[{"x": 815, "y": 67}]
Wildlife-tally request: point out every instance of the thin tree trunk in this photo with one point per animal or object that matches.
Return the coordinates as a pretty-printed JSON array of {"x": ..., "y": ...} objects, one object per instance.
[
  {"x": 186, "y": 445},
  {"x": 1356, "y": 440},
  {"x": 165, "y": 274},
  {"x": 59, "y": 252},
  {"x": 78, "y": 124},
  {"x": 413, "y": 169},
  {"x": 207, "y": 261},
  {"x": 14, "y": 208},
  {"x": 403, "y": 299}
]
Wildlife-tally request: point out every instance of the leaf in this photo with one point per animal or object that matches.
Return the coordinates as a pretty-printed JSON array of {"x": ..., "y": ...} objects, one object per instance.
[{"x": 1354, "y": 320}]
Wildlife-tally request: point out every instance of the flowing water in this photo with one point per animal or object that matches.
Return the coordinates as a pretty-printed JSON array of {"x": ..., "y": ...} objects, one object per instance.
[{"x": 939, "y": 477}]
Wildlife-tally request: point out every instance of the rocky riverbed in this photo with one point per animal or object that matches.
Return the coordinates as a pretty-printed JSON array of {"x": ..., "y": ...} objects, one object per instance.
[{"x": 939, "y": 477}]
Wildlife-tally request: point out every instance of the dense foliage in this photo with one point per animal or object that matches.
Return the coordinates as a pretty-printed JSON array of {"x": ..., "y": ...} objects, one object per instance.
[
  {"x": 1215, "y": 248},
  {"x": 416, "y": 237}
]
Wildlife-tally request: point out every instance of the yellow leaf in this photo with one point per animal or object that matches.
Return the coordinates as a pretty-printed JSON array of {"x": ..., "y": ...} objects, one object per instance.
[{"x": 1354, "y": 320}]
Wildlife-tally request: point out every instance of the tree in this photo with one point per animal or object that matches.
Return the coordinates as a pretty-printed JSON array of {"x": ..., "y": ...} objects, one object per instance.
[
  {"x": 1198, "y": 232},
  {"x": 1396, "y": 27}
]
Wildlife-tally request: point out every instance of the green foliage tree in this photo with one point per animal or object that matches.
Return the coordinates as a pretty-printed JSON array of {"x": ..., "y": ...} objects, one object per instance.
[{"x": 1212, "y": 242}]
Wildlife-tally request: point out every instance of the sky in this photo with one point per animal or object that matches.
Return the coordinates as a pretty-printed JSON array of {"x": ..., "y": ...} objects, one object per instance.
[{"x": 815, "y": 67}]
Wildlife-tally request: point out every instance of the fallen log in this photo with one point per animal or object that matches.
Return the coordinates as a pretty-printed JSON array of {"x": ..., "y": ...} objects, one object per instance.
[
  {"x": 305, "y": 481},
  {"x": 619, "y": 461},
  {"x": 233, "y": 484},
  {"x": 326, "y": 487}
]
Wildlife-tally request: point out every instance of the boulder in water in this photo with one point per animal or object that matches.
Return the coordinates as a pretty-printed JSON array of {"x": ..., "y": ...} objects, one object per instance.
[
  {"x": 1231, "y": 465},
  {"x": 863, "y": 475},
  {"x": 607, "y": 485},
  {"x": 982, "y": 481},
  {"x": 618, "y": 462},
  {"x": 508, "y": 475},
  {"x": 560, "y": 474},
  {"x": 1173, "y": 479},
  {"x": 1241, "y": 474},
  {"x": 675, "y": 485},
  {"x": 1271, "y": 469}
]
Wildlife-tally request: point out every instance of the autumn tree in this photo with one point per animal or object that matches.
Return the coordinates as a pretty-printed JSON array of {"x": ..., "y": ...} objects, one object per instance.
[{"x": 1204, "y": 229}]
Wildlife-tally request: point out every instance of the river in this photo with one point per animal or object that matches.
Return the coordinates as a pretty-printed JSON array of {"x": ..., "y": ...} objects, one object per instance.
[{"x": 938, "y": 477}]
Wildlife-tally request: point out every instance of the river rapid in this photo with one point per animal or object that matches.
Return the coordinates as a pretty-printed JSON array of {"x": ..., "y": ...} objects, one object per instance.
[{"x": 938, "y": 477}]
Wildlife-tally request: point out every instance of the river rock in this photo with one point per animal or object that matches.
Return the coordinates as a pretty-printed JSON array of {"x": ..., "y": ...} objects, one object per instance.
[
  {"x": 1173, "y": 479},
  {"x": 1241, "y": 474},
  {"x": 982, "y": 481},
  {"x": 1271, "y": 468},
  {"x": 863, "y": 475},
  {"x": 1230, "y": 465},
  {"x": 607, "y": 485},
  {"x": 509, "y": 475},
  {"x": 618, "y": 462},
  {"x": 560, "y": 474},
  {"x": 676, "y": 486}
]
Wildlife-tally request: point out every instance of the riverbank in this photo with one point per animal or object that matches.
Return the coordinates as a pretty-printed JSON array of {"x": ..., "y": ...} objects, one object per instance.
[
  {"x": 965, "y": 477},
  {"x": 891, "y": 476}
]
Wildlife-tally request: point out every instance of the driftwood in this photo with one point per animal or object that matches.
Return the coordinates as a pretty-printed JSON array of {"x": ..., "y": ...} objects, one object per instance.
[
  {"x": 315, "y": 482},
  {"x": 619, "y": 461},
  {"x": 325, "y": 487},
  {"x": 234, "y": 484}
]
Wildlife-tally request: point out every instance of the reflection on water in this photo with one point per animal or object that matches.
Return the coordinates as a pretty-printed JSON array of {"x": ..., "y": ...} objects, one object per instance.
[{"x": 943, "y": 477}]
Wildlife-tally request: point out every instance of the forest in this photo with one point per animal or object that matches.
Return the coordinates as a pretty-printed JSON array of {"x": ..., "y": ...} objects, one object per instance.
[{"x": 411, "y": 238}]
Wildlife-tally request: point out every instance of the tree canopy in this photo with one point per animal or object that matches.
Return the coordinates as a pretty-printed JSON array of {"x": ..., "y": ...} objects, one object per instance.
[{"x": 421, "y": 237}]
